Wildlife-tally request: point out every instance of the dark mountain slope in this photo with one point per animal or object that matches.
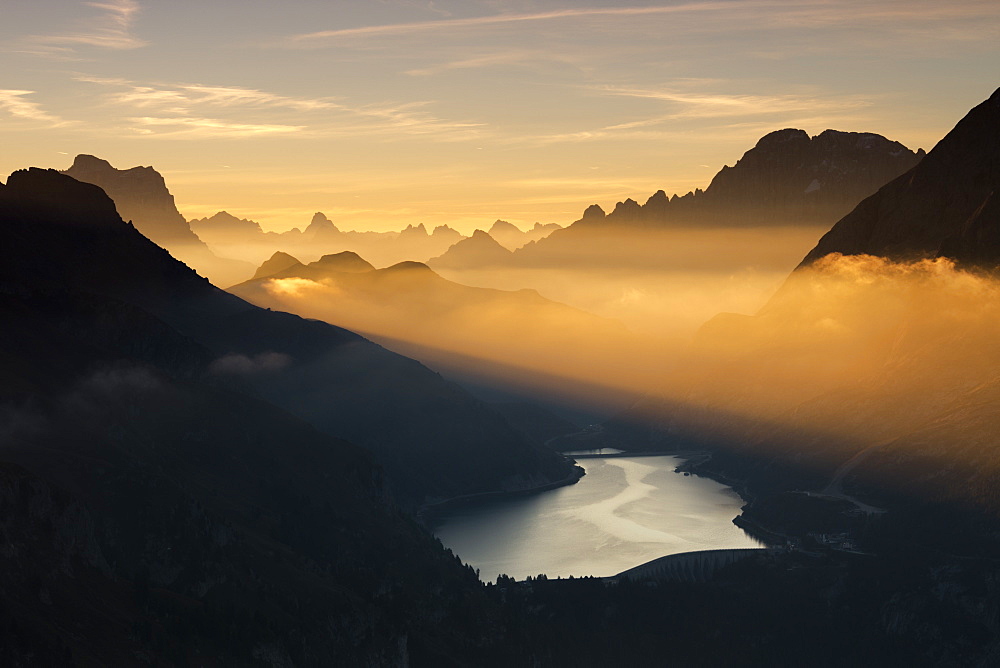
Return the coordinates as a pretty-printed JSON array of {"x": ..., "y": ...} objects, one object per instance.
[
  {"x": 151, "y": 514},
  {"x": 439, "y": 440},
  {"x": 948, "y": 205}
]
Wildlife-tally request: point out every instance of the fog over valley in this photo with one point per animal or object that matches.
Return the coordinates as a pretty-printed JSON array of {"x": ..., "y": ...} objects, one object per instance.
[{"x": 491, "y": 333}]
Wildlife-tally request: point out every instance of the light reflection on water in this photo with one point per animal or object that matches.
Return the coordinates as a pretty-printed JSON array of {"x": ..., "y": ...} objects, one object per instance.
[{"x": 624, "y": 512}]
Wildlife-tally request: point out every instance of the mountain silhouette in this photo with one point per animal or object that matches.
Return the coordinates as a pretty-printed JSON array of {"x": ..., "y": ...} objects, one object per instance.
[
  {"x": 246, "y": 239},
  {"x": 410, "y": 308},
  {"x": 787, "y": 179},
  {"x": 141, "y": 196},
  {"x": 479, "y": 250},
  {"x": 867, "y": 373},
  {"x": 274, "y": 264},
  {"x": 437, "y": 440},
  {"x": 157, "y": 509},
  {"x": 948, "y": 205},
  {"x": 512, "y": 237},
  {"x": 346, "y": 261}
]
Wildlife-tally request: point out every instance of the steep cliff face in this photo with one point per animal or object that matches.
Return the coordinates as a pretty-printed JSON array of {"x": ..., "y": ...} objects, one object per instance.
[
  {"x": 141, "y": 196},
  {"x": 949, "y": 205}
]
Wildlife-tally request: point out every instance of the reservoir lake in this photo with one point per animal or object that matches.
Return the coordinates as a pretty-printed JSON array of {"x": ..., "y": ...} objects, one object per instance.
[{"x": 624, "y": 512}]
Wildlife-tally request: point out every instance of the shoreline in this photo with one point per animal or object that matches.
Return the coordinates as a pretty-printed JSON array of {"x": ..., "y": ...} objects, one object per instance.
[{"x": 425, "y": 513}]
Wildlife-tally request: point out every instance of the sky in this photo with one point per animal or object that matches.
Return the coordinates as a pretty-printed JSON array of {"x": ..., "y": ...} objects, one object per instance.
[{"x": 384, "y": 113}]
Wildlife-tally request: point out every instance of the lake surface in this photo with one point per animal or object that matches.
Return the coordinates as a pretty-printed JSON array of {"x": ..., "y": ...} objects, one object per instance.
[{"x": 624, "y": 512}]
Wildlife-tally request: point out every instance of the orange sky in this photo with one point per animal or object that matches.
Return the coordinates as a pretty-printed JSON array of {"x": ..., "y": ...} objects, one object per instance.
[{"x": 384, "y": 114}]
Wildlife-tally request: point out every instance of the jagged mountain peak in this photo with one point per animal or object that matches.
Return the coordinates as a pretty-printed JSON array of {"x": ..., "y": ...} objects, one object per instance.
[
  {"x": 320, "y": 219},
  {"x": 788, "y": 177},
  {"x": 483, "y": 237},
  {"x": 223, "y": 223},
  {"x": 418, "y": 230},
  {"x": 627, "y": 208}
]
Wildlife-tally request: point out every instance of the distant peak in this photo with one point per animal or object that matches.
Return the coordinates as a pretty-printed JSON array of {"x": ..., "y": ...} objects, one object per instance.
[
  {"x": 345, "y": 261},
  {"x": 275, "y": 264},
  {"x": 90, "y": 163},
  {"x": 658, "y": 196},
  {"x": 593, "y": 211},
  {"x": 782, "y": 137},
  {"x": 223, "y": 216},
  {"x": 503, "y": 225},
  {"x": 628, "y": 207},
  {"x": 409, "y": 266},
  {"x": 320, "y": 222},
  {"x": 282, "y": 256}
]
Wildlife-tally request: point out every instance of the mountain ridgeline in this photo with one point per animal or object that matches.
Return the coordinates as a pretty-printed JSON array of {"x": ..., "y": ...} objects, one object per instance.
[
  {"x": 788, "y": 178},
  {"x": 439, "y": 440},
  {"x": 158, "y": 510},
  {"x": 462, "y": 331},
  {"x": 141, "y": 196},
  {"x": 244, "y": 238},
  {"x": 873, "y": 368}
]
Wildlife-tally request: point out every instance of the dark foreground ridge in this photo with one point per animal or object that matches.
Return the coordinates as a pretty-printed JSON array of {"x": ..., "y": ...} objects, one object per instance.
[
  {"x": 436, "y": 440},
  {"x": 947, "y": 206}
]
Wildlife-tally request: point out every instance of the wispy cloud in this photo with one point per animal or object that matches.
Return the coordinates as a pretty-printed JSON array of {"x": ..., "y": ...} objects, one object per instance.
[
  {"x": 16, "y": 104},
  {"x": 509, "y": 57},
  {"x": 745, "y": 14},
  {"x": 721, "y": 105},
  {"x": 396, "y": 29},
  {"x": 183, "y": 97},
  {"x": 193, "y": 109},
  {"x": 203, "y": 128},
  {"x": 110, "y": 28},
  {"x": 726, "y": 114}
]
